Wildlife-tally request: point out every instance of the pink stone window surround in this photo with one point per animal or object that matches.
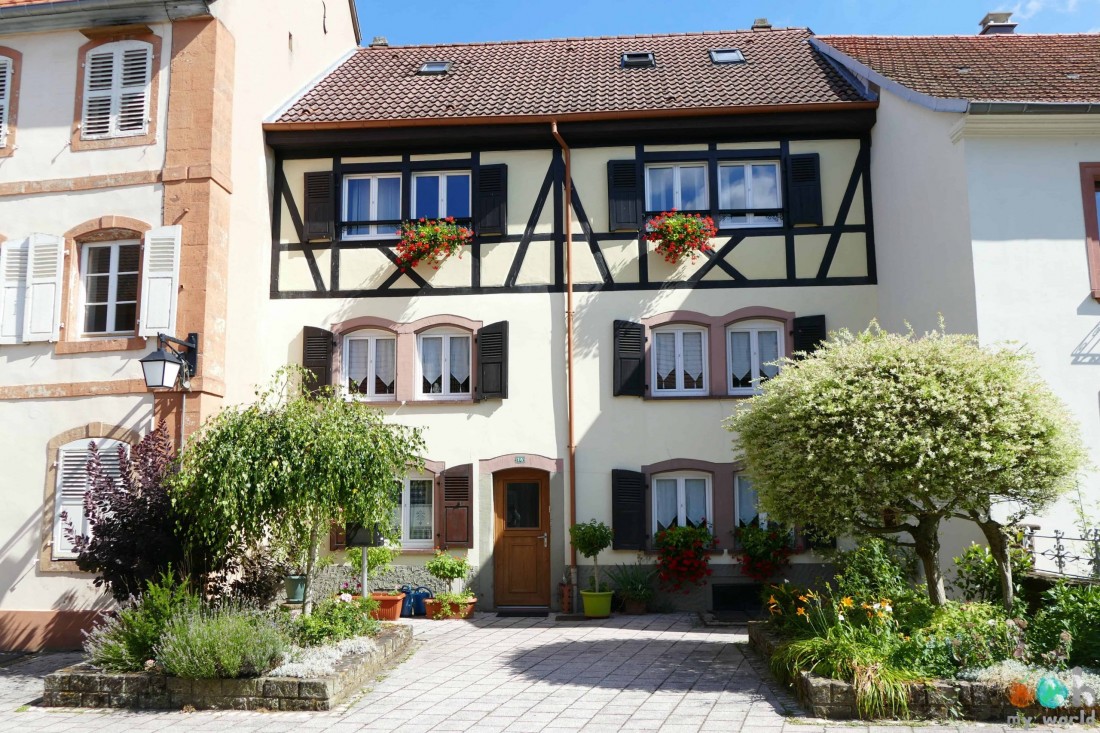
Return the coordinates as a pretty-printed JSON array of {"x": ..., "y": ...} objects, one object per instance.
[
  {"x": 407, "y": 356},
  {"x": 721, "y": 490},
  {"x": 717, "y": 376}
]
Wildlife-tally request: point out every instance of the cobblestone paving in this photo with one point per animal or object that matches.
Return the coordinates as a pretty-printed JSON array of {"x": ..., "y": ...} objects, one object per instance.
[{"x": 630, "y": 674}]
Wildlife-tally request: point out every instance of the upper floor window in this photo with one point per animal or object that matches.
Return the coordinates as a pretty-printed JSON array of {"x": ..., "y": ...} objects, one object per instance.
[
  {"x": 749, "y": 186},
  {"x": 413, "y": 512},
  {"x": 117, "y": 83},
  {"x": 110, "y": 273},
  {"x": 679, "y": 361},
  {"x": 370, "y": 364},
  {"x": 753, "y": 347},
  {"x": 72, "y": 485},
  {"x": 439, "y": 195},
  {"x": 681, "y": 186},
  {"x": 7, "y": 82},
  {"x": 372, "y": 205},
  {"x": 444, "y": 364},
  {"x": 681, "y": 500}
]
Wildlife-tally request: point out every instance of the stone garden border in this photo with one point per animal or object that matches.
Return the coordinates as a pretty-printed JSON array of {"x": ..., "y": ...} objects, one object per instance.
[
  {"x": 83, "y": 686},
  {"x": 938, "y": 699}
]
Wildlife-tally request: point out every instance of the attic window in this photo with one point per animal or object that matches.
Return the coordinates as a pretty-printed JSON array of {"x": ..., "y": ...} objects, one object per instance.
[
  {"x": 727, "y": 56},
  {"x": 434, "y": 68},
  {"x": 639, "y": 60}
]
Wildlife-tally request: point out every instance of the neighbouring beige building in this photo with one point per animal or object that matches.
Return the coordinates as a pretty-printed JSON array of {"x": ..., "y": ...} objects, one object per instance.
[{"x": 133, "y": 170}]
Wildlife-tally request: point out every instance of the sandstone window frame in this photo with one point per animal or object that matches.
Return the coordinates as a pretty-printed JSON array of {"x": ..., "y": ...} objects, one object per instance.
[
  {"x": 78, "y": 140},
  {"x": 11, "y": 67}
]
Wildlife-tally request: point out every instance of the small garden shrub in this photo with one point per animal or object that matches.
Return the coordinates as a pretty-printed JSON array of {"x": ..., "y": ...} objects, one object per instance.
[
  {"x": 221, "y": 642},
  {"x": 1069, "y": 617},
  {"x": 970, "y": 636},
  {"x": 124, "y": 643},
  {"x": 977, "y": 577},
  {"x": 334, "y": 620},
  {"x": 873, "y": 569}
]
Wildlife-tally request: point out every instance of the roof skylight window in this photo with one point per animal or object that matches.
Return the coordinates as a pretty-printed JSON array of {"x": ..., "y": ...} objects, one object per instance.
[
  {"x": 727, "y": 56},
  {"x": 434, "y": 68},
  {"x": 638, "y": 60}
]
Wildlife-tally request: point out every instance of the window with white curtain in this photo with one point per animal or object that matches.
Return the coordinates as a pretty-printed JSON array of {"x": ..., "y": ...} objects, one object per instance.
[
  {"x": 749, "y": 186},
  {"x": 412, "y": 514},
  {"x": 444, "y": 364},
  {"x": 681, "y": 186},
  {"x": 370, "y": 364},
  {"x": 752, "y": 348},
  {"x": 746, "y": 503},
  {"x": 681, "y": 500},
  {"x": 371, "y": 198},
  {"x": 679, "y": 361}
]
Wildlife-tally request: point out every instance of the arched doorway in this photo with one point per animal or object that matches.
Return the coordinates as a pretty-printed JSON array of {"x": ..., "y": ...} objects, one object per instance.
[{"x": 521, "y": 532}]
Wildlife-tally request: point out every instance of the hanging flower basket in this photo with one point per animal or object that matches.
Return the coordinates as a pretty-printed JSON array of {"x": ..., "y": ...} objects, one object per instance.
[
  {"x": 678, "y": 234},
  {"x": 431, "y": 241}
]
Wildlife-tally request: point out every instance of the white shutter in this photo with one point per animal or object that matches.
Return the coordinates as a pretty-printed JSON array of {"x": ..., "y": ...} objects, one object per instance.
[
  {"x": 160, "y": 270},
  {"x": 6, "y": 67},
  {"x": 42, "y": 316},
  {"x": 13, "y": 286},
  {"x": 72, "y": 485},
  {"x": 116, "y": 90}
]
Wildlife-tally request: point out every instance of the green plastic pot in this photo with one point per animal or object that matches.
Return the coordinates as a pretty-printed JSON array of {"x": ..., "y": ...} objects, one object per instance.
[
  {"x": 596, "y": 605},
  {"x": 295, "y": 588}
]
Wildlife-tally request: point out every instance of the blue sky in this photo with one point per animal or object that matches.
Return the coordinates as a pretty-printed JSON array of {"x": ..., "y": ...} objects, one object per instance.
[{"x": 449, "y": 21}]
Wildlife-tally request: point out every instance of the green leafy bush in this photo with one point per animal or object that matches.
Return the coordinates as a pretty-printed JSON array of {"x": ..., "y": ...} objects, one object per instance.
[
  {"x": 336, "y": 620},
  {"x": 1072, "y": 610},
  {"x": 977, "y": 576},
  {"x": 970, "y": 636},
  {"x": 873, "y": 569},
  {"x": 591, "y": 538},
  {"x": 223, "y": 642},
  {"x": 127, "y": 641},
  {"x": 633, "y": 582}
]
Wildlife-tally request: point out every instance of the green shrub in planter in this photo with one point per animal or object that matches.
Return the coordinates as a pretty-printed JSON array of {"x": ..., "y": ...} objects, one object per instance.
[
  {"x": 335, "y": 620},
  {"x": 221, "y": 643},
  {"x": 591, "y": 538},
  {"x": 1067, "y": 609}
]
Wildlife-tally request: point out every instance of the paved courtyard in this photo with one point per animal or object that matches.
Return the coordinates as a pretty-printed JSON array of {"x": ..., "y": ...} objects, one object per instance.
[{"x": 643, "y": 673}]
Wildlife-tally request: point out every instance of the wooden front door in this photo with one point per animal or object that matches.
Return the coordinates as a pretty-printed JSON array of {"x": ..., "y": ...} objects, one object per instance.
[{"x": 521, "y": 554}]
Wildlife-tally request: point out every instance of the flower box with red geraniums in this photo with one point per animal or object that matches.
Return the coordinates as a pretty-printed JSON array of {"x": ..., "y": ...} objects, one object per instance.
[
  {"x": 432, "y": 241},
  {"x": 683, "y": 556},
  {"x": 678, "y": 234}
]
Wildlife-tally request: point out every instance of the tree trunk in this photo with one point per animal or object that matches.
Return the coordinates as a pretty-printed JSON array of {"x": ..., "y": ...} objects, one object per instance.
[
  {"x": 926, "y": 539},
  {"x": 596, "y": 572},
  {"x": 311, "y": 564},
  {"x": 999, "y": 549}
]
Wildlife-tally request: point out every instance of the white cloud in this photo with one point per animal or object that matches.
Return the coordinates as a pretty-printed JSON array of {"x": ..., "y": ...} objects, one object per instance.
[{"x": 1025, "y": 9}]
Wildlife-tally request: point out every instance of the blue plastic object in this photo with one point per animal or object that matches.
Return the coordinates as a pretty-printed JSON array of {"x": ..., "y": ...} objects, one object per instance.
[
  {"x": 407, "y": 606},
  {"x": 418, "y": 597}
]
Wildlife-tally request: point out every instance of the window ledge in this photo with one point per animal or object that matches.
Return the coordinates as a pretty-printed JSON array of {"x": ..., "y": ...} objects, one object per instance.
[
  {"x": 682, "y": 398},
  {"x": 417, "y": 551},
  {"x": 715, "y": 552},
  {"x": 457, "y": 401},
  {"x": 97, "y": 345}
]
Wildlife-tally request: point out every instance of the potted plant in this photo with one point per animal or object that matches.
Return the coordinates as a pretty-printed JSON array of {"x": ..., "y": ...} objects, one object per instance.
[
  {"x": 379, "y": 562},
  {"x": 449, "y": 604},
  {"x": 634, "y": 584},
  {"x": 432, "y": 241},
  {"x": 678, "y": 234},
  {"x": 291, "y": 555},
  {"x": 590, "y": 539},
  {"x": 764, "y": 550},
  {"x": 683, "y": 556}
]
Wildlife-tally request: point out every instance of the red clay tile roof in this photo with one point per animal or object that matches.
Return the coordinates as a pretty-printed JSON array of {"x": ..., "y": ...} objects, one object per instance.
[
  {"x": 573, "y": 76},
  {"x": 993, "y": 68}
]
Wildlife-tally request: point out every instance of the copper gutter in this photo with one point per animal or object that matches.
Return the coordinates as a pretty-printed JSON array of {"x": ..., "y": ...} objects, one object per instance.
[
  {"x": 572, "y": 446},
  {"x": 678, "y": 112}
]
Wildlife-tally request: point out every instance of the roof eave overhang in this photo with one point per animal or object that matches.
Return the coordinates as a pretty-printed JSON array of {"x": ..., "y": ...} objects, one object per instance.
[
  {"x": 564, "y": 118},
  {"x": 90, "y": 13}
]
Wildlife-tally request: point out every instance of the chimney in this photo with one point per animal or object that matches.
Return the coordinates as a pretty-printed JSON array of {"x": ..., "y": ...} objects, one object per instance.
[
  {"x": 379, "y": 41},
  {"x": 761, "y": 24},
  {"x": 997, "y": 24}
]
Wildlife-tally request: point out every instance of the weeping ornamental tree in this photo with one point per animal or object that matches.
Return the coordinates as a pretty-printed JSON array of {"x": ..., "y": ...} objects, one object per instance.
[
  {"x": 884, "y": 434},
  {"x": 289, "y": 464}
]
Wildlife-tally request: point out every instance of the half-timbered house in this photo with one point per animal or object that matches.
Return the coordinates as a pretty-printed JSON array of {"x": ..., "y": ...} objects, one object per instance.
[{"x": 560, "y": 368}]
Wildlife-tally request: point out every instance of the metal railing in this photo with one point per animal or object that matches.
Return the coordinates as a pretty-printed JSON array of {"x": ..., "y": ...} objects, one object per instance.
[{"x": 1065, "y": 554}]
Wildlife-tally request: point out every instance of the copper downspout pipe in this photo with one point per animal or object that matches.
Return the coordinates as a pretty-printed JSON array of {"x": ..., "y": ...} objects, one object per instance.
[{"x": 572, "y": 446}]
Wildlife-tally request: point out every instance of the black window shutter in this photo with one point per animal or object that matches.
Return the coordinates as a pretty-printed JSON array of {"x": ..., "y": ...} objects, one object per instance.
[
  {"x": 491, "y": 204},
  {"x": 317, "y": 356},
  {"x": 492, "y": 361},
  {"x": 804, "y": 189},
  {"x": 809, "y": 332},
  {"x": 627, "y": 510},
  {"x": 454, "y": 526},
  {"x": 624, "y": 195},
  {"x": 319, "y": 206},
  {"x": 629, "y": 359}
]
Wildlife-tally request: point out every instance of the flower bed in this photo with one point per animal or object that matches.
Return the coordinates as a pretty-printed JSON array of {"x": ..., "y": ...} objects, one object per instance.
[{"x": 82, "y": 685}]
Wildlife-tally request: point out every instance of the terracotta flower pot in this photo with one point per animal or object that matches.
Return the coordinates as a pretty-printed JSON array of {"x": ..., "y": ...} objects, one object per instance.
[
  {"x": 389, "y": 606},
  {"x": 634, "y": 607},
  {"x": 457, "y": 610}
]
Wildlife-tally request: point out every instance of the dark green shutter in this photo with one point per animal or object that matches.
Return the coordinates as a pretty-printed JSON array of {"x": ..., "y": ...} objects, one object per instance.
[
  {"x": 804, "y": 189},
  {"x": 317, "y": 356},
  {"x": 629, "y": 359},
  {"x": 627, "y": 510},
  {"x": 491, "y": 202},
  {"x": 319, "y": 207},
  {"x": 492, "y": 361},
  {"x": 809, "y": 332},
  {"x": 455, "y": 514},
  {"x": 624, "y": 196}
]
